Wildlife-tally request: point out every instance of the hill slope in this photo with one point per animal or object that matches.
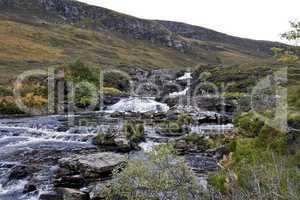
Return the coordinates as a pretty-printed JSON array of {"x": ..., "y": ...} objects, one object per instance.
[{"x": 43, "y": 33}]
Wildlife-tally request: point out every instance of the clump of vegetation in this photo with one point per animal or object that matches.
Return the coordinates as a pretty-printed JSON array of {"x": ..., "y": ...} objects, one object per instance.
[
  {"x": 262, "y": 164},
  {"x": 35, "y": 101},
  {"x": 134, "y": 131},
  {"x": 248, "y": 124},
  {"x": 103, "y": 139},
  {"x": 111, "y": 91},
  {"x": 162, "y": 175},
  {"x": 233, "y": 94},
  {"x": 177, "y": 127},
  {"x": 197, "y": 140},
  {"x": 184, "y": 119},
  {"x": 8, "y": 106},
  {"x": 77, "y": 71},
  {"x": 117, "y": 81}
]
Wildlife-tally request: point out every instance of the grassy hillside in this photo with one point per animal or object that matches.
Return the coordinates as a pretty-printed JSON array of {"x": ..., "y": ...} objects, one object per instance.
[{"x": 35, "y": 35}]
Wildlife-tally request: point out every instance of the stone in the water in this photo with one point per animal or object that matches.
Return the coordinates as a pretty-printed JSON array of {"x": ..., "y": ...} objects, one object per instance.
[
  {"x": 20, "y": 172},
  {"x": 29, "y": 187},
  {"x": 93, "y": 165},
  {"x": 201, "y": 164},
  {"x": 51, "y": 196}
]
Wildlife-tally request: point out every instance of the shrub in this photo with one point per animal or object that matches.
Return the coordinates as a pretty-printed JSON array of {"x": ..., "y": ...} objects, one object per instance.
[
  {"x": 78, "y": 72},
  {"x": 134, "y": 131},
  {"x": 116, "y": 80},
  {"x": 185, "y": 119},
  {"x": 248, "y": 124},
  {"x": 218, "y": 181},
  {"x": 8, "y": 106},
  {"x": 273, "y": 139},
  {"x": 34, "y": 101},
  {"x": 104, "y": 139},
  {"x": 4, "y": 91},
  {"x": 161, "y": 175},
  {"x": 111, "y": 91}
]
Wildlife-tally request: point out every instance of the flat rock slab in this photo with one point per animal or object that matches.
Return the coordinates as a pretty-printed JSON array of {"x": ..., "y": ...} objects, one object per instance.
[{"x": 92, "y": 165}]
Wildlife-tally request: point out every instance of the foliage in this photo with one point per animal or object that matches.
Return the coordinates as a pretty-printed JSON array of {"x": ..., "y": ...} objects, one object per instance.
[
  {"x": 293, "y": 34},
  {"x": 161, "y": 175},
  {"x": 34, "y": 101},
  {"x": 8, "y": 106},
  {"x": 233, "y": 94},
  {"x": 134, "y": 131},
  {"x": 263, "y": 163},
  {"x": 117, "y": 81},
  {"x": 5, "y": 91},
  {"x": 105, "y": 139},
  {"x": 184, "y": 119},
  {"x": 248, "y": 124},
  {"x": 111, "y": 91},
  {"x": 77, "y": 71}
]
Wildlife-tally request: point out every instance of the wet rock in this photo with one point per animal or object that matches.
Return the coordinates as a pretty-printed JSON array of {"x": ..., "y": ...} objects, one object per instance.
[
  {"x": 201, "y": 164},
  {"x": 98, "y": 191},
  {"x": 73, "y": 194},
  {"x": 30, "y": 187},
  {"x": 75, "y": 181},
  {"x": 220, "y": 152},
  {"x": 51, "y": 196},
  {"x": 20, "y": 172},
  {"x": 191, "y": 143},
  {"x": 93, "y": 165}
]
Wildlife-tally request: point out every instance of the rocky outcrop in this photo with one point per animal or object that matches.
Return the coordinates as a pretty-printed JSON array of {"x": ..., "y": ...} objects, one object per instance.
[{"x": 90, "y": 166}]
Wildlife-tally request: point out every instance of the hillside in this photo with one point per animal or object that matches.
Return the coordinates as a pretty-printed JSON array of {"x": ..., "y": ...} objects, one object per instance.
[{"x": 43, "y": 33}]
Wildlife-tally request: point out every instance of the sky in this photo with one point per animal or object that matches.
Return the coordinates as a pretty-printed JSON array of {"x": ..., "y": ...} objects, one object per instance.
[{"x": 255, "y": 19}]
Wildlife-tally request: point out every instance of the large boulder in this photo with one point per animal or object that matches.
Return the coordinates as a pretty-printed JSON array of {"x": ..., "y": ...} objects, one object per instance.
[{"x": 96, "y": 165}]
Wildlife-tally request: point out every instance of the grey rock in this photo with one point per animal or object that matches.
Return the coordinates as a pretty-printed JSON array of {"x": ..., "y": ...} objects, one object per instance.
[{"x": 92, "y": 165}]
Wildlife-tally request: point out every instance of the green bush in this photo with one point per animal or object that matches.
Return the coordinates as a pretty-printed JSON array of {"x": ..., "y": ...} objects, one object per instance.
[
  {"x": 161, "y": 175},
  {"x": 111, "y": 91},
  {"x": 104, "y": 139},
  {"x": 248, "y": 124},
  {"x": 8, "y": 106},
  {"x": 185, "y": 119},
  {"x": 134, "y": 131},
  {"x": 194, "y": 139},
  {"x": 5, "y": 91},
  {"x": 218, "y": 181},
  {"x": 78, "y": 72}
]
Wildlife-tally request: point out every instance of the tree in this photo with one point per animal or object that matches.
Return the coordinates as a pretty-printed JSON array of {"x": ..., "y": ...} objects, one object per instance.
[{"x": 289, "y": 55}]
